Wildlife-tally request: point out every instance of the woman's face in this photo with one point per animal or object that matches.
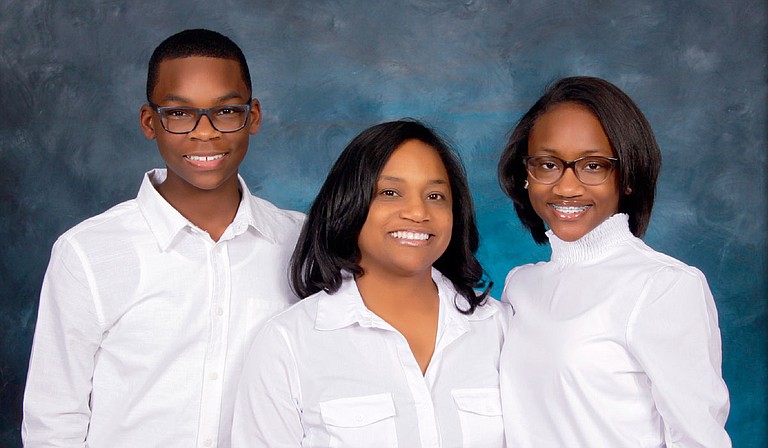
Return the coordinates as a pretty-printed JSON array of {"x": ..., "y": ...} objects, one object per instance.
[
  {"x": 410, "y": 219},
  {"x": 570, "y": 208}
]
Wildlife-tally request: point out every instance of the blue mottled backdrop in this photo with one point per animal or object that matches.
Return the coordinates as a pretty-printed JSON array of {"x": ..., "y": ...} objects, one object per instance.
[{"x": 72, "y": 80}]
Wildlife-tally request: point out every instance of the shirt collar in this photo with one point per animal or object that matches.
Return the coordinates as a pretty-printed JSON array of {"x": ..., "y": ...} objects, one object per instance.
[
  {"x": 611, "y": 233},
  {"x": 166, "y": 222},
  {"x": 346, "y": 307},
  {"x": 343, "y": 308}
]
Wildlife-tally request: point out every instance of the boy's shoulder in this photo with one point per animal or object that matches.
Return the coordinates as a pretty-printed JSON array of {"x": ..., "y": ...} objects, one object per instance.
[
  {"x": 117, "y": 219},
  {"x": 275, "y": 221},
  {"x": 279, "y": 214}
]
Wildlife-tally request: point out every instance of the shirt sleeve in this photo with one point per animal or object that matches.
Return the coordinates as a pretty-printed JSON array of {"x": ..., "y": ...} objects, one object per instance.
[
  {"x": 67, "y": 336},
  {"x": 673, "y": 333},
  {"x": 267, "y": 410},
  {"x": 506, "y": 293}
]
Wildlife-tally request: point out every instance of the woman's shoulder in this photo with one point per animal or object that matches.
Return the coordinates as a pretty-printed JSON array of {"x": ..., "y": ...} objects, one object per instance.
[
  {"x": 500, "y": 311},
  {"x": 299, "y": 315}
]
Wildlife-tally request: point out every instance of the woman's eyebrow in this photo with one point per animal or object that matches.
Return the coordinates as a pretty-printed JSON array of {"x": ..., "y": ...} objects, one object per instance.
[{"x": 398, "y": 179}]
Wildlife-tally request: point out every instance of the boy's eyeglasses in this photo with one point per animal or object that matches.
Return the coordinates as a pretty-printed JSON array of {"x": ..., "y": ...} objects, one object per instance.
[
  {"x": 590, "y": 170},
  {"x": 183, "y": 120}
]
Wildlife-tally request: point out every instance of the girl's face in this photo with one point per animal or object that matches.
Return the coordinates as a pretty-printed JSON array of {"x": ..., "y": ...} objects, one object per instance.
[
  {"x": 568, "y": 207},
  {"x": 410, "y": 220}
]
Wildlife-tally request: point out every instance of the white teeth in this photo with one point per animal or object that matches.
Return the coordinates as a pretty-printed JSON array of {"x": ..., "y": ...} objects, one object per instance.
[
  {"x": 205, "y": 158},
  {"x": 569, "y": 210},
  {"x": 410, "y": 235}
]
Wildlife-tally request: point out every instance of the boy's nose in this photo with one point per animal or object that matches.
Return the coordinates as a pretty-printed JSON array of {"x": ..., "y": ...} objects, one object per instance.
[{"x": 204, "y": 129}]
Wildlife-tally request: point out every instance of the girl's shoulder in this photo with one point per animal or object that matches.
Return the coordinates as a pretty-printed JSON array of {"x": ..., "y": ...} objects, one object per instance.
[
  {"x": 527, "y": 270},
  {"x": 654, "y": 261}
]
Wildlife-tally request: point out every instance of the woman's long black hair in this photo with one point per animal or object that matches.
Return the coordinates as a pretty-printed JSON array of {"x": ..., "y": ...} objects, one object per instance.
[{"x": 328, "y": 241}]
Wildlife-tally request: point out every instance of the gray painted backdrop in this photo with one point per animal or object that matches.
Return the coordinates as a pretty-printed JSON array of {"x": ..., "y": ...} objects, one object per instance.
[{"x": 72, "y": 80}]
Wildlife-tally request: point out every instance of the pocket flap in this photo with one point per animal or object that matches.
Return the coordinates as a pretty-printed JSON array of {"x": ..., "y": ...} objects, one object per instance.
[
  {"x": 357, "y": 411},
  {"x": 482, "y": 401}
]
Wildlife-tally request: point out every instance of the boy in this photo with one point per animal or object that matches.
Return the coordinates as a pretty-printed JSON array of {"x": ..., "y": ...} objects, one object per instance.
[{"x": 147, "y": 310}]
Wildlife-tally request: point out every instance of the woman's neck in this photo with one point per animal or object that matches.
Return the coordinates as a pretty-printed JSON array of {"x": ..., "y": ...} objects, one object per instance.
[{"x": 410, "y": 304}]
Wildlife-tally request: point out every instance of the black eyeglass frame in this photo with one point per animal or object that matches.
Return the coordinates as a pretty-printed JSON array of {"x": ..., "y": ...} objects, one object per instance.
[
  {"x": 572, "y": 164},
  {"x": 200, "y": 113}
]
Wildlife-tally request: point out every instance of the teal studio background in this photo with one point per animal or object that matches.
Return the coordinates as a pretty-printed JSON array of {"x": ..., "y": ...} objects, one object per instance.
[{"x": 72, "y": 79}]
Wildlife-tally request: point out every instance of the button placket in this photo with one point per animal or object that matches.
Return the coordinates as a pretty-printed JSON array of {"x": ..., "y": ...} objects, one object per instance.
[
  {"x": 217, "y": 344},
  {"x": 425, "y": 409}
]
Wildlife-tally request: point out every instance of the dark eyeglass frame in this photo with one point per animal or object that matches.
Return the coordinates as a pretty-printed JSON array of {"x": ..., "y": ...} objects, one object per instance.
[
  {"x": 200, "y": 113},
  {"x": 572, "y": 165}
]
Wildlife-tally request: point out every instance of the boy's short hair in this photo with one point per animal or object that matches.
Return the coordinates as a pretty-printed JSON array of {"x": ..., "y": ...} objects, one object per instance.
[
  {"x": 628, "y": 131},
  {"x": 196, "y": 42},
  {"x": 328, "y": 241}
]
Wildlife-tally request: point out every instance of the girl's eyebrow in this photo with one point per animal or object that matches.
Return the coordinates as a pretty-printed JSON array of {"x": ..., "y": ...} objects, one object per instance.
[
  {"x": 554, "y": 151},
  {"x": 398, "y": 179}
]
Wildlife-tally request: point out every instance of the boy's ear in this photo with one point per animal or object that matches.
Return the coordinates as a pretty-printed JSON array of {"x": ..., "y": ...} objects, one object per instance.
[
  {"x": 255, "y": 117},
  {"x": 146, "y": 123}
]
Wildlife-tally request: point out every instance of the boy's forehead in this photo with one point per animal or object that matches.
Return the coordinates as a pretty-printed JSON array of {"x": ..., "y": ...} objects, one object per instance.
[{"x": 198, "y": 75}]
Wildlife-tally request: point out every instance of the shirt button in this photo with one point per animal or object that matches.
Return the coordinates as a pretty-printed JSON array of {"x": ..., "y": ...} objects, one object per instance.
[
  {"x": 219, "y": 311},
  {"x": 208, "y": 442},
  {"x": 359, "y": 419},
  {"x": 213, "y": 376}
]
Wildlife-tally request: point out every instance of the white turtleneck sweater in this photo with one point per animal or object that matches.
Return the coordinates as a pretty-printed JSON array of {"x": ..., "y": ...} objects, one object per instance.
[{"x": 612, "y": 345}]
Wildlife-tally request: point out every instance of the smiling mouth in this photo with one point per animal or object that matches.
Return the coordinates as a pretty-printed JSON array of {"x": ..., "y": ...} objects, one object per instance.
[
  {"x": 414, "y": 236},
  {"x": 570, "y": 209},
  {"x": 204, "y": 158}
]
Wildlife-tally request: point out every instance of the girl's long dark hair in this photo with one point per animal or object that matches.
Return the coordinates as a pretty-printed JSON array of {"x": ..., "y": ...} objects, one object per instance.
[{"x": 631, "y": 139}]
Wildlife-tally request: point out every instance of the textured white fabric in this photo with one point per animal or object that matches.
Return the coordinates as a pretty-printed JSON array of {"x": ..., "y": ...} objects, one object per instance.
[
  {"x": 329, "y": 372},
  {"x": 612, "y": 345},
  {"x": 144, "y": 322}
]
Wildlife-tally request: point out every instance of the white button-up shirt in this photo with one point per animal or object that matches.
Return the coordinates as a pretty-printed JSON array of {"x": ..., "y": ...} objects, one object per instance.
[
  {"x": 144, "y": 322},
  {"x": 330, "y": 373}
]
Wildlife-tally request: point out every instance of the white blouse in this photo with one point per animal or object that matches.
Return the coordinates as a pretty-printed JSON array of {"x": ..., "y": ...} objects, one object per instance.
[
  {"x": 612, "y": 345},
  {"x": 330, "y": 373}
]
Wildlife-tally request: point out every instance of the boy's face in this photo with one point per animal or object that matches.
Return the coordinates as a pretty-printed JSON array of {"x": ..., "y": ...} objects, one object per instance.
[{"x": 204, "y": 159}]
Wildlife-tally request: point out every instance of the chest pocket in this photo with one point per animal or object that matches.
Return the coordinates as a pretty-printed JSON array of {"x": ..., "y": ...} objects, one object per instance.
[
  {"x": 367, "y": 421},
  {"x": 480, "y": 417}
]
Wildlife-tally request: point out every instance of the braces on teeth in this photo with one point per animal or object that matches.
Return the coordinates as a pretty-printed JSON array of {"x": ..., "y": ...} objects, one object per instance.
[{"x": 570, "y": 209}]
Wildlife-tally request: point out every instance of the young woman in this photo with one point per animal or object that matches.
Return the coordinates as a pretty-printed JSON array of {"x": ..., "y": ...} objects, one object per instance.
[
  {"x": 613, "y": 344},
  {"x": 391, "y": 345}
]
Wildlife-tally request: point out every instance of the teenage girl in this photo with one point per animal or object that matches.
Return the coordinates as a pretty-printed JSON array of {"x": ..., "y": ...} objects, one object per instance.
[
  {"x": 612, "y": 344},
  {"x": 391, "y": 345}
]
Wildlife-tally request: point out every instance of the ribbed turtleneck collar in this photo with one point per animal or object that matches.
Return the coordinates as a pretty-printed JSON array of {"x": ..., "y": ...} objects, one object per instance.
[{"x": 609, "y": 234}]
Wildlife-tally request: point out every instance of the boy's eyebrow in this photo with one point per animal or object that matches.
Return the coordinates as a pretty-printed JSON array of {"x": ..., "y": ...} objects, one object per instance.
[
  {"x": 180, "y": 99},
  {"x": 398, "y": 179}
]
